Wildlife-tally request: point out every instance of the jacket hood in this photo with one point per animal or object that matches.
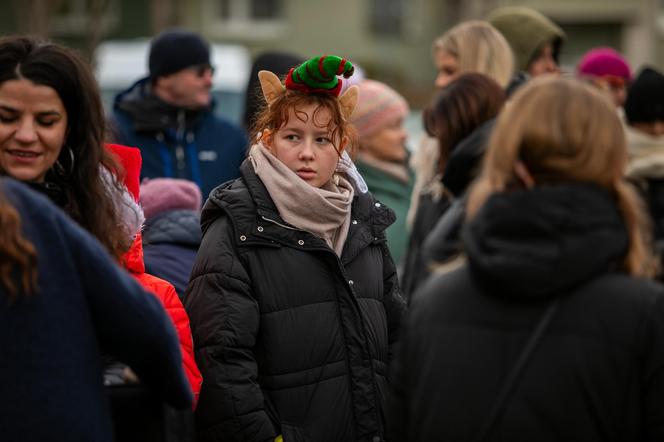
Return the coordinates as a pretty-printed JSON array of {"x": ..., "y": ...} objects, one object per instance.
[
  {"x": 133, "y": 259},
  {"x": 464, "y": 161},
  {"x": 149, "y": 113},
  {"x": 180, "y": 227},
  {"x": 541, "y": 242}
]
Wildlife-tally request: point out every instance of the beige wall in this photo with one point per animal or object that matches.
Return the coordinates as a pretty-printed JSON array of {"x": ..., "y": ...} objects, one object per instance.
[{"x": 311, "y": 27}]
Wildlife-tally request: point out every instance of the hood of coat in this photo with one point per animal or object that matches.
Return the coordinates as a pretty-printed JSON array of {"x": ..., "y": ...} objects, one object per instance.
[
  {"x": 133, "y": 259},
  {"x": 464, "y": 162},
  {"x": 150, "y": 114},
  {"x": 182, "y": 227},
  {"x": 250, "y": 206},
  {"x": 538, "y": 243}
]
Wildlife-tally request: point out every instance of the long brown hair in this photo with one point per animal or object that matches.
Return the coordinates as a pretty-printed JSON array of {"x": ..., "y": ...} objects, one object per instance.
[
  {"x": 83, "y": 154},
  {"x": 460, "y": 108},
  {"x": 276, "y": 115},
  {"x": 18, "y": 257},
  {"x": 563, "y": 130}
]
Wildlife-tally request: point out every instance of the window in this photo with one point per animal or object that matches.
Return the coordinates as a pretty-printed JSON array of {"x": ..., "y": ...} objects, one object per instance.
[
  {"x": 74, "y": 16},
  {"x": 256, "y": 19},
  {"x": 386, "y": 17},
  {"x": 249, "y": 10}
]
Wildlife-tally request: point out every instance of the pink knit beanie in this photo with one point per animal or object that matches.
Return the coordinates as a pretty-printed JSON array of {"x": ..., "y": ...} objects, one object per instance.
[
  {"x": 164, "y": 194},
  {"x": 600, "y": 62},
  {"x": 378, "y": 106}
]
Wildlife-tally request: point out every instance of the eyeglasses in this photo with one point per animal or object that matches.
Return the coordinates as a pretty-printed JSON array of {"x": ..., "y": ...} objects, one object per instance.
[{"x": 202, "y": 69}]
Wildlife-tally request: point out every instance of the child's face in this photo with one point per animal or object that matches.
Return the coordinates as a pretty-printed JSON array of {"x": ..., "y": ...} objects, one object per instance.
[{"x": 306, "y": 147}]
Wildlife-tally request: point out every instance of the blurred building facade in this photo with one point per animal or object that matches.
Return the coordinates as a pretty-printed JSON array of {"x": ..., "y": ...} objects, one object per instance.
[{"x": 390, "y": 39}]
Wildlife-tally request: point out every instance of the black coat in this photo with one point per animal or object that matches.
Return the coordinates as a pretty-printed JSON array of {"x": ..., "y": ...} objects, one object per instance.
[
  {"x": 289, "y": 338},
  {"x": 597, "y": 372},
  {"x": 435, "y": 236},
  {"x": 170, "y": 243}
]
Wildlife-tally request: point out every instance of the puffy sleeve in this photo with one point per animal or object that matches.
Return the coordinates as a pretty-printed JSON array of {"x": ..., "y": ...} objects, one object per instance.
[{"x": 225, "y": 319}]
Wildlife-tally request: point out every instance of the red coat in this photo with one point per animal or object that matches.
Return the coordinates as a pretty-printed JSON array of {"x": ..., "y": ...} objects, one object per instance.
[{"x": 133, "y": 261}]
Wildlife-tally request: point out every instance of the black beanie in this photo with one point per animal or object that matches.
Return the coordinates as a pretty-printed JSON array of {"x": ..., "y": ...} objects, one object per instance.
[
  {"x": 177, "y": 49},
  {"x": 645, "y": 98}
]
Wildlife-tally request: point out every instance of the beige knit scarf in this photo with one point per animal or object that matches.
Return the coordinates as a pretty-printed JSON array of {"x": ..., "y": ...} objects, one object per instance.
[{"x": 324, "y": 212}]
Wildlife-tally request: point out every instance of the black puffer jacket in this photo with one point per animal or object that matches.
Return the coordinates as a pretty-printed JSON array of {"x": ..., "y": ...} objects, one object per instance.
[
  {"x": 290, "y": 339},
  {"x": 597, "y": 372}
]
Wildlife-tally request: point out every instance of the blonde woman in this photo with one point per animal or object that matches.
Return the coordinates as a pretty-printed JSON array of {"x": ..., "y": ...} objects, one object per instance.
[
  {"x": 472, "y": 46},
  {"x": 556, "y": 279}
]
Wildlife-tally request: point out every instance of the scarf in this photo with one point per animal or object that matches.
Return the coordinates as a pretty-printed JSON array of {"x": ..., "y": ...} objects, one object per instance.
[{"x": 324, "y": 212}]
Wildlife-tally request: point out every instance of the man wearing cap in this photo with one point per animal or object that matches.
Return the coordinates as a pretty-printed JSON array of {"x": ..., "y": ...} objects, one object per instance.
[{"x": 168, "y": 115}]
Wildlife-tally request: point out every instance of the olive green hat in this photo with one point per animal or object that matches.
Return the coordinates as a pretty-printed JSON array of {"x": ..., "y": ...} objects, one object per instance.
[{"x": 526, "y": 30}]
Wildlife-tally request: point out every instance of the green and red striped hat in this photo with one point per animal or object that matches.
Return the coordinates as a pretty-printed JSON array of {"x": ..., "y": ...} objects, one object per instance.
[{"x": 320, "y": 75}]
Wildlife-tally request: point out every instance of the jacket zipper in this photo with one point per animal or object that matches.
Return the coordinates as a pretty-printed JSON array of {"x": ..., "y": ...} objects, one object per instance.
[
  {"x": 282, "y": 225},
  {"x": 179, "y": 149}
]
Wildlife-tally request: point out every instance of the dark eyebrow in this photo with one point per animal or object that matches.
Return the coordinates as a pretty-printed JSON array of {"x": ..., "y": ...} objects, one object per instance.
[
  {"x": 41, "y": 114},
  {"x": 49, "y": 114}
]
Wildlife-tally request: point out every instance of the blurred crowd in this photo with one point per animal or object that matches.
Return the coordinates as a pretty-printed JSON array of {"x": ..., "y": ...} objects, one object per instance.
[{"x": 168, "y": 275}]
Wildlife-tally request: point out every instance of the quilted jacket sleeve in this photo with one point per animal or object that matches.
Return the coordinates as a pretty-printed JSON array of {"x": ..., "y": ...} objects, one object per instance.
[
  {"x": 225, "y": 320},
  {"x": 395, "y": 306}
]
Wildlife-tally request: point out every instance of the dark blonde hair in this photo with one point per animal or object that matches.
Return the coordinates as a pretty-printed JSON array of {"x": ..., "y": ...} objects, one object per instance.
[
  {"x": 276, "y": 115},
  {"x": 478, "y": 47},
  {"x": 563, "y": 130},
  {"x": 83, "y": 153},
  {"x": 18, "y": 257}
]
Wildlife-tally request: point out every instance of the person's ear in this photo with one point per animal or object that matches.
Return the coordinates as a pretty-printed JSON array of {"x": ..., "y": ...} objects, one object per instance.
[
  {"x": 266, "y": 138},
  {"x": 343, "y": 144}
]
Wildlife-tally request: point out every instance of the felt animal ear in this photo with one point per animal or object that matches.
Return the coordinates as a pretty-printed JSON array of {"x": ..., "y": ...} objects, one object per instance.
[
  {"x": 270, "y": 85},
  {"x": 348, "y": 101}
]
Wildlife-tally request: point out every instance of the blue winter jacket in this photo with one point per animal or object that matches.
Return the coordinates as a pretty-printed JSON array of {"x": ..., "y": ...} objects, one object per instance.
[
  {"x": 178, "y": 143},
  {"x": 170, "y": 244},
  {"x": 51, "y": 340}
]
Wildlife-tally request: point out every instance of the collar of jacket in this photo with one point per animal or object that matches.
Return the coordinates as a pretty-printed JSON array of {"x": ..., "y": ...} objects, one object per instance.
[
  {"x": 257, "y": 222},
  {"x": 150, "y": 114}
]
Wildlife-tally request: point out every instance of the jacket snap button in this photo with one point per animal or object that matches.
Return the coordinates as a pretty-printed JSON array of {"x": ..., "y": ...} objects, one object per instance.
[
  {"x": 243, "y": 238},
  {"x": 300, "y": 242},
  {"x": 260, "y": 229},
  {"x": 377, "y": 204},
  {"x": 351, "y": 282},
  {"x": 354, "y": 221}
]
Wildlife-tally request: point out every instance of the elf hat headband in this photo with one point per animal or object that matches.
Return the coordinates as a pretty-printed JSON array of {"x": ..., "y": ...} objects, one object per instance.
[{"x": 315, "y": 76}]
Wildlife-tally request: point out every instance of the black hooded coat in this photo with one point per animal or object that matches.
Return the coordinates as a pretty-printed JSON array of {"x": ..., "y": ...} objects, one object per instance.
[
  {"x": 597, "y": 372},
  {"x": 290, "y": 338}
]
